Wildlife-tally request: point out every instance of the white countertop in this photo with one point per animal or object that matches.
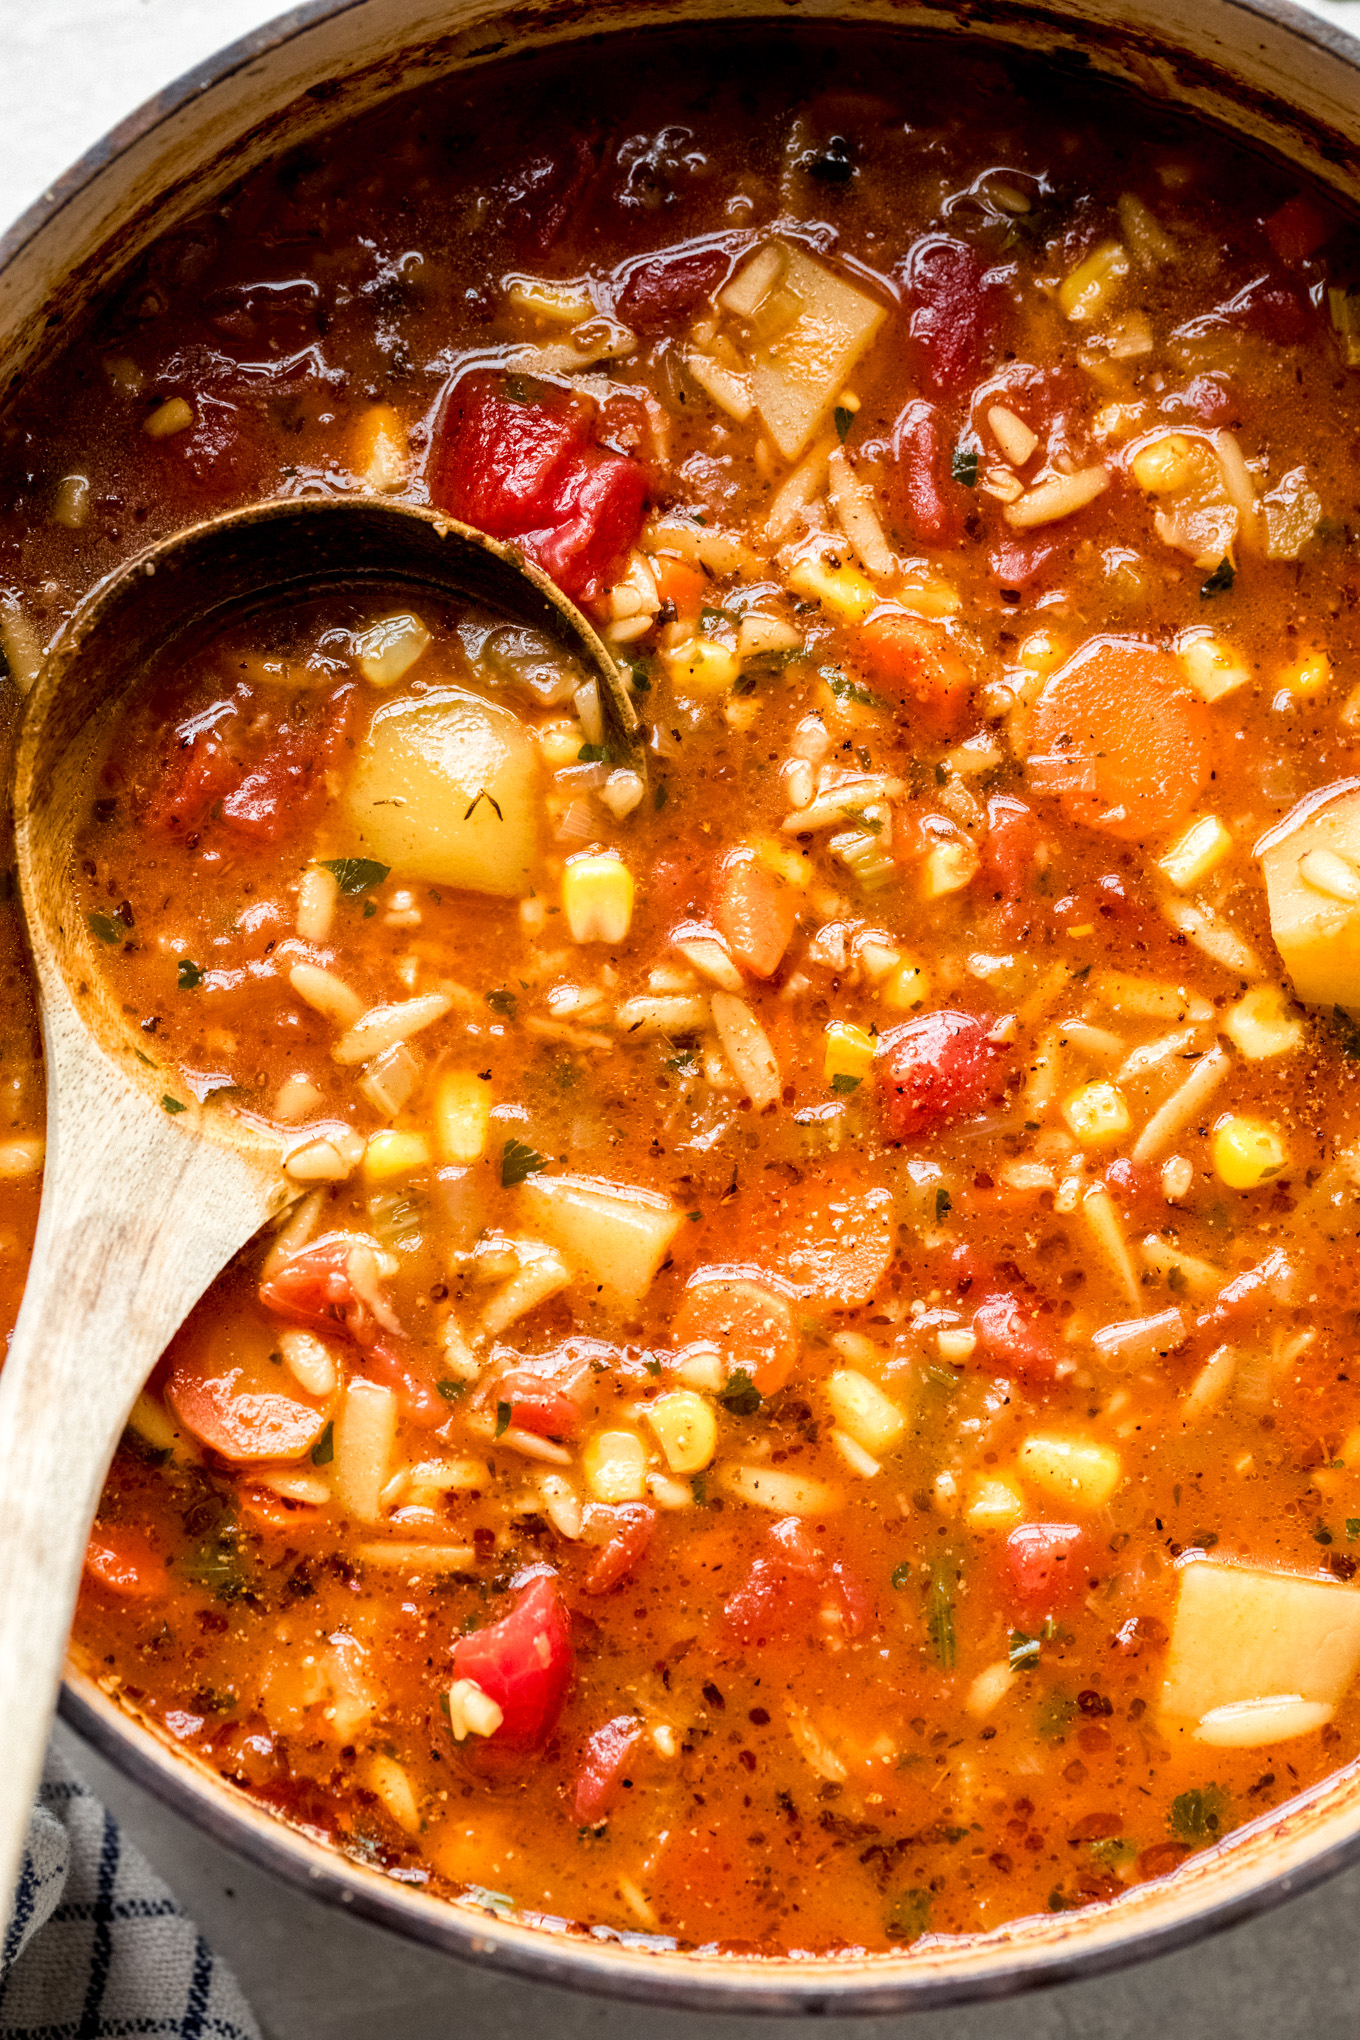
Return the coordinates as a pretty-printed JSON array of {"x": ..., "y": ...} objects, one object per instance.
[{"x": 70, "y": 69}]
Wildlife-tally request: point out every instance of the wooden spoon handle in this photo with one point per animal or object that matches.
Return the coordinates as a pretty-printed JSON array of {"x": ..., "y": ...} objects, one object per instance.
[{"x": 136, "y": 1220}]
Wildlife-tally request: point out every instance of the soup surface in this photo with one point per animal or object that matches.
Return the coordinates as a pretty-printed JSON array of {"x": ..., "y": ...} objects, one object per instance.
[{"x": 807, "y": 1397}]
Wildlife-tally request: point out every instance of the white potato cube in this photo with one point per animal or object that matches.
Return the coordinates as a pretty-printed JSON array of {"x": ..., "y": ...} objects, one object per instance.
[
  {"x": 614, "y": 1234},
  {"x": 1244, "y": 1633}
]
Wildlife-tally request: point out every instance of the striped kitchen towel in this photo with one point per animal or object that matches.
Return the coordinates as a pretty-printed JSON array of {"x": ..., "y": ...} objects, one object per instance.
[{"x": 97, "y": 1946}]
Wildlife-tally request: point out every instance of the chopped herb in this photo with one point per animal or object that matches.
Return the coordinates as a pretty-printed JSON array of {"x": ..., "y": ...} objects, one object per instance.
[
  {"x": 482, "y": 795},
  {"x": 652, "y": 1366},
  {"x": 1220, "y": 581},
  {"x": 1199, "y": 1815},
  {"x": 517, "y": 1162},
  {"x": 850, "y": 690},
  {"x": 1352, "y": 1528},
  {"x": 964, "y": 466},
  {"x": 710, "y": 616},
  {"x": 1346, "y": 1033},
  {"x": 355, "y": 874},
  {"x": 503, "y": 1416},
  {"x": 660, "y": 796},
  {"x": 745, "y": 683},
  {"x": 944, "y": 1204},
  {"x": 698, "y": 1487},
  {"x": 370, "y": 909},
  {"x": 323, "y": 1452},
  {"x": 106, "y": 928},
  {"x": 594, "y": 754},
  {"x": 190, "y": 976},
  {"x": 477, "y": 1894},
  {"x": 940, "y": 1613},
  {"x": 451, "y": 1390},
  {"x": 1321, "y": 1534},
  {"x": 741, "y": 1397},
  {"x": 694, "y": 1216},
  {"x": 683, "y": 1059},
  {"x": 172, "y": 1105},
  {"x": 1112, "y": 1852},
  {"x": 900, "y": 1575},
  {"x": 215, "y": 1563},
  {"x": 1054, "y": 1716},
  {"x": 842, "y": 420},
  {"x": 503, "y": 1002},
  {"x": 1024, "y": 1651},
  {"x": 843, "y": 1084},
  {"x": 909, "y": 1914}
]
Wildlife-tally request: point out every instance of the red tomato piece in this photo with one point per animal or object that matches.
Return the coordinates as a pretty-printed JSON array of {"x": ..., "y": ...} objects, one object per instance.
[
  {"x": 1017, "y": 561},
  {"x": 316, "y": 1287},
  {"x": 419, "y": 1401},
  {"x": 1008, "y": 1336},
  {"x": 600, "y": 1778},
  {"x": 120, "y": 1559},
  {"x": 201, "y": 769},
  {"x": 535, "y": 1405},
  {"x": 1275, "y": 310},
  {"x": 668, "y": 285},
  {"x": 786, "y": 1590},
  {"x": 272, "y": 797},
  {"x": 618, "y": 1559},
  {"x": 756, "y": 913},
  {"x": 1045, "y": 1565},
  {"x": 1298, "y": 228},
  {"x": 1210, "y": 398},
  {"x": 1009, "y": 847},
  {"x": 927, "y": 492},
  {"x": 957, "y": 313},
  {"x": 542, "y": 200},
  {"x": 523, "y": 1663},
  {"x": 933, "y": 1070},
  {"x": 530, "y": 471}
]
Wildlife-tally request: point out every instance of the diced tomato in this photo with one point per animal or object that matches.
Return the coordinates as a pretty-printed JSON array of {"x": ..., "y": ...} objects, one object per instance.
[
  {"x": 262, "y": 791},
  {"x": 420, "y": 1402},
  {"x": 956, "y": 313},
  {"x": 627, "y": 1546},
  {"x": 316, "y": 1287},
  {"x": 928, "y": 494},
  {"x": 1133, "y": 1183},
  {"x": 1298, "y": 228},
  {"x": 1018, "y": 561},
  {"x": 756, "y": 913},
  {"x": 751, "y": 1326},
  {"x": 201, "y": 768},
  {"x": 1275, "y": 310},
  {"x": 1210, "y": 398},
  {"x": 1249, "y": 1292},
  {"x": 523, "y": 1663},
  {"x": 669, "y": 285},
  {"x": 600, "y": 1778},
  {"x": 1009, "y": 847},
  {"x": 1009, "y": 1337},
  {"x": 1046, "y": 1565},
  {"x": 547, "y": 193},
  {"x": 529, "y": 470},
  {"x": 914, "y": 661},
  {"x": 275, "y": 794},
  {"x": 933, "y": 1070},
  {"x": 535, "y": 1405},
  {"x": 121, "y": 1560},
  {"x": 787, "y": 1589}
]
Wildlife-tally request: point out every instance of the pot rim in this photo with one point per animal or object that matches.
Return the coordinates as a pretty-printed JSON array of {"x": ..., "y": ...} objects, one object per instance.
[{"x": 617, "y": 1967}]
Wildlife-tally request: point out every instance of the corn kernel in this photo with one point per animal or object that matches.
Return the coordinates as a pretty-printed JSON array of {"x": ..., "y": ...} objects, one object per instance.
[
  {"x": 388, "y": 649},
  {"x": 1246, "y": 1152},
  {"x": 1090, "y": 289},
  {"x": 597, "y": 897},
  {"x": 1212, "y": 667},
  {"x": 1166, "y": 465},
  {"x": 462, "y": 1116},
  {"x": 949, "y": 867},
  {"x": 175, "y": 415},
  {"x": 615, "y": 1466},
  {"x": 784, "y": 861},
  {"x": 842, "y": 590},
  {"x": 906, "y": 988},
  {"x": 849, "y": 1052},
  {"x": 390, "y": 1154},
  {"x": 1308, "y": 676},
  {"x": 1079, "y": 1472},
  {"x": 686, "y": 1430},
  {"x": 1198, "y": 850},
  {"x": 864, "y": 1413},
  {"x": 994, "y": 1503},
  {"x": 701, "y": 666},
  {"x": 1041, "y": 652},
  {"x": 1096, "y": 1113},
  {"x": 1261, "y": 1024},
  {"x": 380, "y": 450}
]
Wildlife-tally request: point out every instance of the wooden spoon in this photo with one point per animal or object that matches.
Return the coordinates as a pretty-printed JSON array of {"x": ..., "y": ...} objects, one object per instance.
[{"x": 141, "y": 1209}]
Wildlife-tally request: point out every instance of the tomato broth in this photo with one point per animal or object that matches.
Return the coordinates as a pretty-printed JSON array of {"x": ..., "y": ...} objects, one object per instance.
[{"x": 806, "y": 1398}]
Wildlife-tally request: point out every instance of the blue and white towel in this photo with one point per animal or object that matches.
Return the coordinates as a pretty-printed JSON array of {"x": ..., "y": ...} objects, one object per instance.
[{"x": 98, "y": 1948}]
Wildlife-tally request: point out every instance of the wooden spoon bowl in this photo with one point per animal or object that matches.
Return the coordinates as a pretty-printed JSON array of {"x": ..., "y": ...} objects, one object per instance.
[{"x": 141, "y": 1209}]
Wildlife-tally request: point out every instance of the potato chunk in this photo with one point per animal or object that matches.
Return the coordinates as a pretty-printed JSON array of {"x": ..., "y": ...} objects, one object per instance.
[
  {"x": 1311, "y": 864},
  {"x": 797, "y": 376},
  {"x": 1242, "y": 1633},
  {"x": 613, "y": 1233},
  {"x": 445, "y": 788}
]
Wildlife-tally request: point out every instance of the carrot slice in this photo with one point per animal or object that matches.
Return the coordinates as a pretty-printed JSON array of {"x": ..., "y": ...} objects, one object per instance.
[
  {"x": 678, "y": 582},
  {"x": 915, "y": 663},
  {"x": 121, "y": 1560},
  {"x": 755, "y": 913},
  {"x": 1122, "y": 711},
  {"x": 751, "y": 1326},
  {"x": 235, "y": 1398}
]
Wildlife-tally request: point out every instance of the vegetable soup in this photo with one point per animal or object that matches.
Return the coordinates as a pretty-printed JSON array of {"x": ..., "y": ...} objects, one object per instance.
[{"x": 805, "y": 1398}]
